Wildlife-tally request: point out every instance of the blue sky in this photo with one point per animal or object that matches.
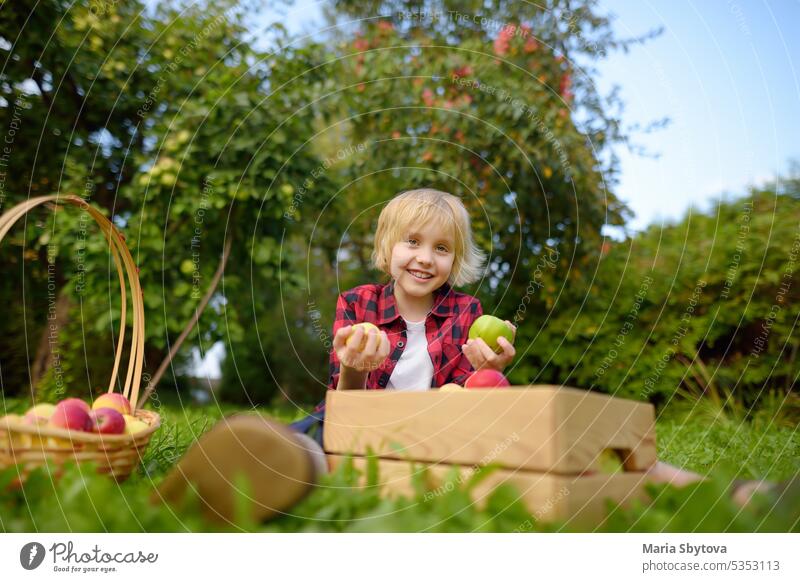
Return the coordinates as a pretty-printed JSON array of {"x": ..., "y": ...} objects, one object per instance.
[{"x": 727, "y": 74}]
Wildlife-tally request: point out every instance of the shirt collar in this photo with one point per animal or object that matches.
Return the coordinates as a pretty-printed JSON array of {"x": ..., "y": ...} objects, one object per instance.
[{"x": 443, "y": 302}]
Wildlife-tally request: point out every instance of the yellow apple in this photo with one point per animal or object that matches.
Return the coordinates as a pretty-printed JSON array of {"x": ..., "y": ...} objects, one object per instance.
[
  {"x": 21, "y": 441},
  {"x": 133, "y": 425},
  {"x": 451, "y": 388},
  {"x": 113, "y": 400},
  {"x": 40, "y": 413},
  {"x": 12, "y": 419},
  {"x": 367, "y": 326},
  {"x": 14, "y": 440},
  {"x": 58, "y": 443}
]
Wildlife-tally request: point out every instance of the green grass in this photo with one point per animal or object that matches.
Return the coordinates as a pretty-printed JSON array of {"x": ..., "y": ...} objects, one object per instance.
[{"x": 719, "y": 445}]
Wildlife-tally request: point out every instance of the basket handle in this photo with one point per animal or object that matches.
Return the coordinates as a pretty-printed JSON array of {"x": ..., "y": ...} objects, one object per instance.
[{"x": 122, "y": 259}]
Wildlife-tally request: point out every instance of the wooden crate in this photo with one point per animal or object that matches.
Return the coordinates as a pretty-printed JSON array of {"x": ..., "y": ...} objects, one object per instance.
[
  {"x": 546, "y": 439},
  {"x": 537, "y": 428}
]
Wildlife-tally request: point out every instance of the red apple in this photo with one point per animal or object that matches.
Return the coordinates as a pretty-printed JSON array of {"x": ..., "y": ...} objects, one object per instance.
[
  {"x": 74, "y": 402},
  {"x": 489, "y": 328},
  {"x": 107, "y": 421},
  {"x": 113, "y": 400},
  {"x": 71, "y": 414},
  {"x": 486, "y": 379}
]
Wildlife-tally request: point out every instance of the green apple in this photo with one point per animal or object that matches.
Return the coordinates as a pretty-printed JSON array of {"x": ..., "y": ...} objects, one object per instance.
[
  {"x": 489, "y": 328},
  {"x": 367, "y": 326},
  {"x": 610, "y": 461}
]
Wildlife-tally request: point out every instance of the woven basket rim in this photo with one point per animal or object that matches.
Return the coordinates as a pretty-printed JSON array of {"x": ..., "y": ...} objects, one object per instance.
[{"x": 82, "y": 436}]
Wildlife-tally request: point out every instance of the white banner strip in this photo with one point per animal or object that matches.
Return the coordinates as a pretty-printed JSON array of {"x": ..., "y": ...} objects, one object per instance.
[{"x": 399, "y": 557}]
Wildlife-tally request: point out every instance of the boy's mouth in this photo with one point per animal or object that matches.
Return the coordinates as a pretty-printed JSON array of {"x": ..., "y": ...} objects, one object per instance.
[{"x": 420, "y": 275}]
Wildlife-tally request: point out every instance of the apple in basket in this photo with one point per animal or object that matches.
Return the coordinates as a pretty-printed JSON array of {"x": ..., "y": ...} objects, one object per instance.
[
  {"x": 39, "y": 414},
  {"x": 14, "y": 440},
  {"x": 71, "y": 414},
  {"x": 486, "y": 378},
  {"x": 133, "y": 425},
  {"x": 107, "y": 421},
  {"x": 74, "y": 402},
  {"x": 113, "y": 400}
]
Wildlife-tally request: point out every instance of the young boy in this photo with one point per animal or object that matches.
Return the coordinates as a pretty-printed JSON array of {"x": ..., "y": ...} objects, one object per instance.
[{"x": 424, "y": 246}]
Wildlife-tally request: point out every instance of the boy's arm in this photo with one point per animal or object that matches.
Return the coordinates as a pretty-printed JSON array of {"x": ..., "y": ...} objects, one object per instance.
[
  {"x": 351, "y": 379},
  {"x": 342, "y": 377}
]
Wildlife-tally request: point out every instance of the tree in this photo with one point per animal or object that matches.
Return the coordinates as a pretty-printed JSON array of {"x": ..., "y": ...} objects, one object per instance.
[
  {"x": 197, "y": 150},
  {"x": 68, "y": 125},
  {"x": 496, "y": 103}
]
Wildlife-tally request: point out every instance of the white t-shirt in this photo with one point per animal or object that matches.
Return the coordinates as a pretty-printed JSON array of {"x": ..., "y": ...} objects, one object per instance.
[{"x": 414, "y": 369}]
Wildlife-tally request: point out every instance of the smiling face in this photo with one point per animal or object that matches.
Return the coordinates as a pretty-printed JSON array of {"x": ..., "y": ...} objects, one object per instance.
[{"x": 421, "y": 263}]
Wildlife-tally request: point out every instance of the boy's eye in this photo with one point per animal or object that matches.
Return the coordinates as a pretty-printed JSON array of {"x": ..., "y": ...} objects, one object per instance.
[{"x": 442, "y": 248}]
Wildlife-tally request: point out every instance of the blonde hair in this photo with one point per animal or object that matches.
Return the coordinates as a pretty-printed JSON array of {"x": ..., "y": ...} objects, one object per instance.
[{"x": 419, "y": 207}]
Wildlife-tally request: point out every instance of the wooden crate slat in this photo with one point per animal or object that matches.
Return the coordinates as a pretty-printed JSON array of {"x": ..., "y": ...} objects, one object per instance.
[
  {"x": 537, "y": 428},
  {"x": 579, "y": 500}
]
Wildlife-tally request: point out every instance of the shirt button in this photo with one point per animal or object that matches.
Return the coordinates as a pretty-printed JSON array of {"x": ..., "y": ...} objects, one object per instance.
[{"x": 400, "y": 344}]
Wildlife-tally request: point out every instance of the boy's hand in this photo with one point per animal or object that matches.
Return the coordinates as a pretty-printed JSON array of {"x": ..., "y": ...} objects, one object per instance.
[
  {"x": 370, "y": 358},
  {"x": 481, "y": 355}
]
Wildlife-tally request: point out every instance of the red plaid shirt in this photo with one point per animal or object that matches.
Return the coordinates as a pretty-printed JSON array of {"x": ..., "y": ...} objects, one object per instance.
[{"x": 446, "y": 329}]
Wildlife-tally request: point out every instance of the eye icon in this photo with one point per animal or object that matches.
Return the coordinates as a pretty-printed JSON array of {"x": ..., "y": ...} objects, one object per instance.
[{"x": 31, "y": 555}]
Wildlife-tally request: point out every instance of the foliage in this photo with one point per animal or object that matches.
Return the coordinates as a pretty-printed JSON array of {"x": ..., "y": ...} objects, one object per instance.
[
  {"x": 705, "y": 307},
  {"x": 168, "y": 120},
  {"x": 490, "y": 102},
  {"x": 69, "y": 124},
  {"x": 283, "y": 358}
]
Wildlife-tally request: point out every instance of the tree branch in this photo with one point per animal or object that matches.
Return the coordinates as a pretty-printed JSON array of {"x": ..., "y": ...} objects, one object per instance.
[{"x": 189, "y": 326}]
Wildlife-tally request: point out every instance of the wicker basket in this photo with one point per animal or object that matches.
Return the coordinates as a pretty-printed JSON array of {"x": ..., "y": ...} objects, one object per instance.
[{"x": 29, "y": 446}]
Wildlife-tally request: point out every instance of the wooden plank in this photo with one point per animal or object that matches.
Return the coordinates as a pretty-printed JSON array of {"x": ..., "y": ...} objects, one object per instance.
[
  {"x": 578, "y": 500},
  {"x": 536, "y": 428}
]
